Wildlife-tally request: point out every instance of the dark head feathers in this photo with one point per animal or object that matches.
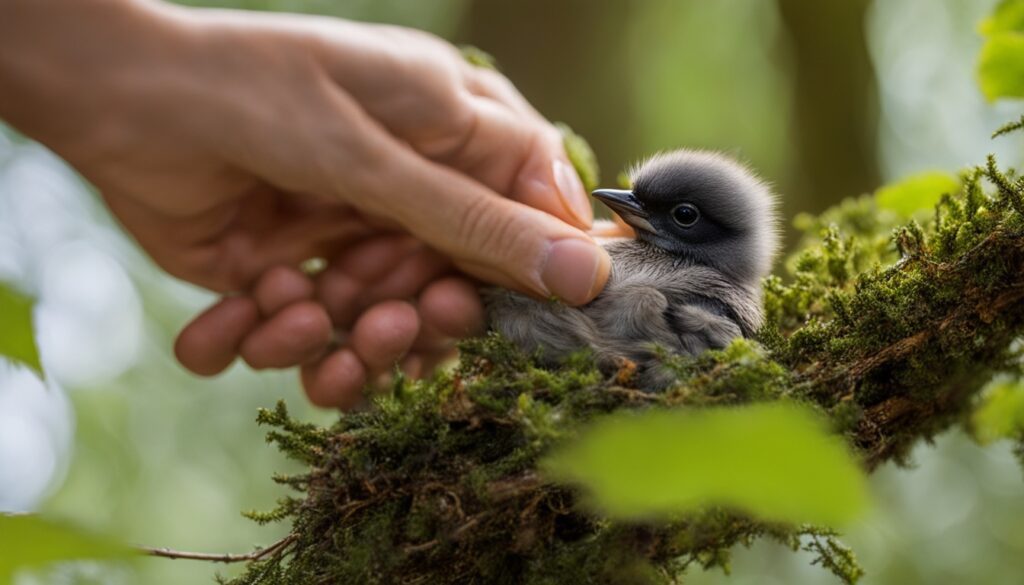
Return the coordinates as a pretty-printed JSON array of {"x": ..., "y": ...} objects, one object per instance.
[{"x": 737, "y": 231}]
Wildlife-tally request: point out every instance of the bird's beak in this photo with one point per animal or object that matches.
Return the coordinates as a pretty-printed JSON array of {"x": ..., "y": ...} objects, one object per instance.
[{"x": 629, "y": 208}]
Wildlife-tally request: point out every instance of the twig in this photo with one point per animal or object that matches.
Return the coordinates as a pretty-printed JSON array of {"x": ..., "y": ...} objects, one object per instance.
[{"x": 255, "y": 555}]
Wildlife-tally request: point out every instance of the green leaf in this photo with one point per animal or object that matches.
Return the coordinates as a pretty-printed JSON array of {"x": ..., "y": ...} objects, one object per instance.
[
  {"x": 916, "y": 192},
  {"x": 775, "y": 461},
  {"x": 31, "y": 542},
  {"x": 1008, "y": 16},
  {"x": 17, "y": 338},
  {"x": 581, "y": 156},
  {"x": 1001, "y": 66},
  {"x": 1001, "y": 414}
]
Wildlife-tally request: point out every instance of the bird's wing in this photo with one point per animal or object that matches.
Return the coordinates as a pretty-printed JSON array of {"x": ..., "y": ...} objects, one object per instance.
[
  {"x": 552, "y": 329},
  {"x": 700, "y": 328},
  {"x": 710, "y": 291},
  {"x": 631, "y": 320}
]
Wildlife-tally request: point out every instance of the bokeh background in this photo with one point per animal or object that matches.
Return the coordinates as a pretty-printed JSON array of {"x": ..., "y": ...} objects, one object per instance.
[{"x": 826, "y": 99}]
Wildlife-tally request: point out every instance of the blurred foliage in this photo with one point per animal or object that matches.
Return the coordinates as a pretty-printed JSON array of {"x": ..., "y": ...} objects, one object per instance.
[
  {"x": 783, "y": 467},
  {"x": 32, "y": 542},
  {"x": 917, "y": 193},
  {"x": 1001, "y": 414},
  {"x": 1001, "y": 64},
  {"x": 17, "y": 340}
]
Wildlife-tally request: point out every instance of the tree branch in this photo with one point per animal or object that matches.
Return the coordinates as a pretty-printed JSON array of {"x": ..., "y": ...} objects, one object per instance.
[{"x": 255, "y": 555}]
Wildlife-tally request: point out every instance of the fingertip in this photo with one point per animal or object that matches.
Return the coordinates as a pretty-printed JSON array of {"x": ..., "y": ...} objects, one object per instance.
[
  {"x": 338, "y": 292},
  {"x": 373, "y": 258},
  {"x": 210, "y": 342},
  {"x": 336, "y": 381},
  {"x": 385, "y": 333},
  {"x": 453, "y": 307},
  {"x": 549, "y": 182},
  {"x": 279, "y": 287},
  {"x": 576, "y": 270},
  {"x": 293, "y": 336}
]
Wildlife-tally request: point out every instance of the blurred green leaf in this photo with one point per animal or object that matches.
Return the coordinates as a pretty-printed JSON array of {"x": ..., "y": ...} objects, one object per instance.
[
  {"x": 30, "y": 542},
  {"x": 1001, "y": 66},
  {"x": 916, "y": 192},
  {"x": 1001, "y": 414},
  {"x": 776, "y": 461},
  {"x": 581, "y": 156},
  {"x": 17, "y": 340},
  {"x": 1008, "y": 16}
]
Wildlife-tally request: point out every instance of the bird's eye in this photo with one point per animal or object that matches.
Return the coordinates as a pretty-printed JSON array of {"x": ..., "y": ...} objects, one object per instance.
[{"x": 686, "y": 214}]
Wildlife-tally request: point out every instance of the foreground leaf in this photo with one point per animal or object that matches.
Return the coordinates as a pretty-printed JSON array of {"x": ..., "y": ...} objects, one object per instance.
[
  {"x": 1007, "y": 17},
  {"x": 17, "y": 341},
  {"x": 1001, "y": 66},
  {"x": 30, "y": 542},
  {"x": 917, "y": 192},
  {"x": 775, "y": 461}
]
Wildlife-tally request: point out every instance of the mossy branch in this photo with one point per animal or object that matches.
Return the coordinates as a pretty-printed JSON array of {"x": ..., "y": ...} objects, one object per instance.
[{"x": 889, "y": 327}]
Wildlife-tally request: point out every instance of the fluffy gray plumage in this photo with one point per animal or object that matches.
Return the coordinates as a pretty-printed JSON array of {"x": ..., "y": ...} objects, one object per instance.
[{"x": 690, "y": 281}]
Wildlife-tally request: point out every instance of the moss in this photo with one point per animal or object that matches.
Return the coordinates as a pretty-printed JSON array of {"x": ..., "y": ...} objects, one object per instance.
[
  {"x": 581, "y": 156},
  {"x": 890, "y": 329},
  {"x": 478, "y": 57}
]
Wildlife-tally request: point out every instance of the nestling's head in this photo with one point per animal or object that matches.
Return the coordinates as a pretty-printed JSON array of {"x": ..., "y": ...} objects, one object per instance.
[{"x": 704, "y": 208}]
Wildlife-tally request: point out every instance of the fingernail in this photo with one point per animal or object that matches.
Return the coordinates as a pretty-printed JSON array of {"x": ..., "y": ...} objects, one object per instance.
[
  {"x": 570, "y": 190},
  {"x": 575, "y": 270}
]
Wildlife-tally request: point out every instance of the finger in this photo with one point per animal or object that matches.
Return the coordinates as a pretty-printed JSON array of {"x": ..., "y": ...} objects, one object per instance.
[
  {"x": 346, "y": 296},
  {"x": 520, "y": 157},
  {"x": 452, "y": 307},
  {"x": 546, "y": 168},
  {"x": 461, "y": 218},
  {"x": 430, "y": 340},
  {"x": 492, "y": 84},
  {"x": 296, "y": 334},
  {"x": 336, "y": 381},
  {"x": 371, "y": 259},
  {"x": 281, "y": 286},
  {"x": 412, "y": 366},
  {"x": 384, "y": 334},
  {"x": 342, "y": 286},
  {"x": 514, "y": 153},
  {"x": 211, "y": 341},
  {"x": 410, "y": 276}
]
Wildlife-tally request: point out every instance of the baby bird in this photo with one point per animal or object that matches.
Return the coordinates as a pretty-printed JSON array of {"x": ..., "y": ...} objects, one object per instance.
[{"x": 690, "y": 281}]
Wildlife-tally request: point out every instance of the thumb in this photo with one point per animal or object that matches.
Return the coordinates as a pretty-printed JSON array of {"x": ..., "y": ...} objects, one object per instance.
[{"x": 496, "y": 239}]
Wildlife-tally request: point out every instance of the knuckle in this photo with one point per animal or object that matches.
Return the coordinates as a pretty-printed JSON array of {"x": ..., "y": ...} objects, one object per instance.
[{"x": 449, "y": 140}]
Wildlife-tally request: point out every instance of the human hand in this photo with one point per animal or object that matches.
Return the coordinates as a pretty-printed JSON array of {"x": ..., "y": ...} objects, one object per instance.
[{"x": 235, "y": 146}]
